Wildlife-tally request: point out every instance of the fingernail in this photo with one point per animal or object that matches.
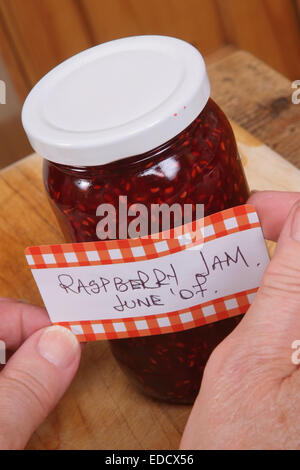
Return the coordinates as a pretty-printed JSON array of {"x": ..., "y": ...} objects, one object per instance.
[
  {"x": 295, "y": 233},
  {"x": 59, "y": 346}
]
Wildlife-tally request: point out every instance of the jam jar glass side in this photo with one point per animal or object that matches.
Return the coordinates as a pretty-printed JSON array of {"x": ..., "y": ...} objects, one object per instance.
[{"x": 201, "y": 165}]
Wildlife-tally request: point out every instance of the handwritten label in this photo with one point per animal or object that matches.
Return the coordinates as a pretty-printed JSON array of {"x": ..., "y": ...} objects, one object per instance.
[{"x": 191, "y": 283}]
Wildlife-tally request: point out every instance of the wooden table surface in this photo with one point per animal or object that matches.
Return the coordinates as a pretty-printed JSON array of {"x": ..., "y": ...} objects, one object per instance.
[{"x": 257, "y": 98}]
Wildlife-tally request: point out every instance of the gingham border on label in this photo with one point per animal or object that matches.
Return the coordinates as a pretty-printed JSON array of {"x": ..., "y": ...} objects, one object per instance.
[
  {"x": 215, "y": 226},
  {"x": 209, "y": 228},
  {"x": 180, "y": 320}
]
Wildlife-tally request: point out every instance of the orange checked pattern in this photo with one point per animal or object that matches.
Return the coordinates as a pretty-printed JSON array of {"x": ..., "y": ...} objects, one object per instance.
[
  {"x": 215, "y": 226},
  {"x": 208, "y": 312},
  {"x": 97, "y": 253}
]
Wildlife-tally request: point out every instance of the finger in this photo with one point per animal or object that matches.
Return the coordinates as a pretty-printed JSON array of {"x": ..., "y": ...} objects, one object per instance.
[
  {"x": 273, "y": 208},
  {"x": 256, "y": 358},
  {"x": 19, "y": 320},
  {"x": 33, "y": 381},
  {"x": 272, "y": 323}
]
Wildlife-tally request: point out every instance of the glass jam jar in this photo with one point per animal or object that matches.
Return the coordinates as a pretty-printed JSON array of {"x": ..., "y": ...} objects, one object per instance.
[{"x": 175, "y": 147}]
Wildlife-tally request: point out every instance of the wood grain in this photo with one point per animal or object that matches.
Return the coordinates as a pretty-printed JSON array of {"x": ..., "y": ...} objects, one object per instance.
[
  {"x": 38, "y": 34},
  {"x": 259, "y": 99},
  {"x": 12, "y": 60},
  {"x": 267, "y": 28},
  {"x": 44, "y": 33},
  {"x": 13, "y": 141},
  {"x": 195, "y": 21}
]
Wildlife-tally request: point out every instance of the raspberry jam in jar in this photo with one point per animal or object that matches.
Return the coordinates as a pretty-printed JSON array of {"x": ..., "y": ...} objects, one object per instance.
[{"x": 133, "y": 120}]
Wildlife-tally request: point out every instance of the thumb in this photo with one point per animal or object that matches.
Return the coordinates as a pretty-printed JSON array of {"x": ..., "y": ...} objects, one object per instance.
[{"x": 33, "y": 381}]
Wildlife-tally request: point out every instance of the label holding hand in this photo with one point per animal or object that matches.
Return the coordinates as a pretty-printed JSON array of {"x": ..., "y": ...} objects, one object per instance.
[{"x": 204, "y": 272}]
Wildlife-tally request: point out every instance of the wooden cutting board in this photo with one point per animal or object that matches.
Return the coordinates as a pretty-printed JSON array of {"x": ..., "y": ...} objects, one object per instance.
[{"x": 101, "y": 410}]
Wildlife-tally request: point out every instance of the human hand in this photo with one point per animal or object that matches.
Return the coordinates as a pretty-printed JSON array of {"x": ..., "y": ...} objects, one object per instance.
[
  {"x": 36, "y": 376},
  {"x": 249, "y": 397}
]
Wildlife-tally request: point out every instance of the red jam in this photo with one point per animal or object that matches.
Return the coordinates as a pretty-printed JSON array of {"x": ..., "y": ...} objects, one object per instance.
[{"x": 200, "y": 165}]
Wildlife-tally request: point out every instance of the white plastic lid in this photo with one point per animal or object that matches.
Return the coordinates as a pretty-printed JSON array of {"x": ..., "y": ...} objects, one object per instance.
[{"x": 116, "y": 100}]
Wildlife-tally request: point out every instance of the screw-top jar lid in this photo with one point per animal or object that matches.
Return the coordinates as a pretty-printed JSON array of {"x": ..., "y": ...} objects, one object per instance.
[{"x": 115, "y": 100}]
